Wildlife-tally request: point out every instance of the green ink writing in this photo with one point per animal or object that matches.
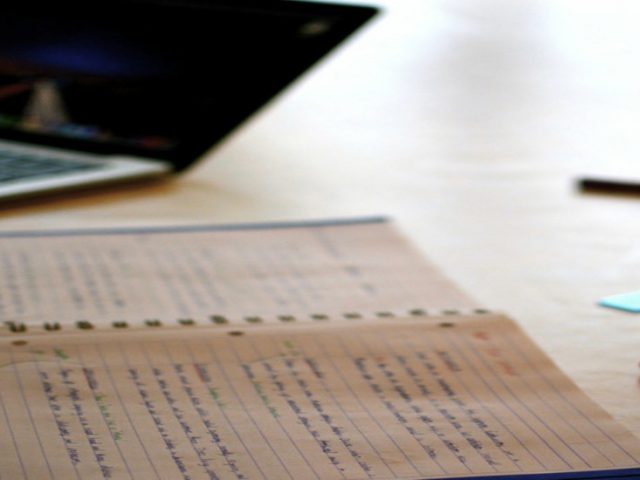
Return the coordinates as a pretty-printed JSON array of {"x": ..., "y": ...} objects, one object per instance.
[
  {"x": 290, "y": 348},
  {"x": 216, "y": 397},
  {"x": 103, "y": 405},
  {"x": 265, "y": 399},
  {"x": 60, "y": 354}
]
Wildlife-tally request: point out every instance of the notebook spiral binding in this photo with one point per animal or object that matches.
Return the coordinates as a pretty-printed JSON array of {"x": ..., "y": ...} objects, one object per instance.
[{"x": 20, "y": 327}]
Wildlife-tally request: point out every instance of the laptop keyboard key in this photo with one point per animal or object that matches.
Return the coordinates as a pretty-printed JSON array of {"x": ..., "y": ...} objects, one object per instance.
[{"x": 16, "y": 166}]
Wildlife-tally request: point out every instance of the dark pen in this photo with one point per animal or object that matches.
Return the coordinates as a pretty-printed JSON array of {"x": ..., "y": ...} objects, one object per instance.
[{"x": 608, "y": 185}]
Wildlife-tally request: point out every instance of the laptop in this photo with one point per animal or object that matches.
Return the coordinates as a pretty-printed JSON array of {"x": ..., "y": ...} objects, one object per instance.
[{"x": 107, "y": 91}]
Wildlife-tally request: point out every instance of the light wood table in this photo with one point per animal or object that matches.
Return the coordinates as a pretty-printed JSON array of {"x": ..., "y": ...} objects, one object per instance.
[{"x": 466, "y": 121}]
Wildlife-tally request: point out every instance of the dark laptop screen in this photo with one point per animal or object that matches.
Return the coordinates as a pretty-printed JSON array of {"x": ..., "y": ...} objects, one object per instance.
[{"x": 159, "y": 79}]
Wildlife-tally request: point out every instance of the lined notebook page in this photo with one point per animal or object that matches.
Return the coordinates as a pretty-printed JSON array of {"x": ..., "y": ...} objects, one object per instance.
[
  {"x": 170, "y": 276},
  {"x": 403, "y": 398}
]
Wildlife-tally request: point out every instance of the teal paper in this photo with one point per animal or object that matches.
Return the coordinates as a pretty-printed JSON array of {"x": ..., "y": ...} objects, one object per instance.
[{"x": 629, "y": 302}]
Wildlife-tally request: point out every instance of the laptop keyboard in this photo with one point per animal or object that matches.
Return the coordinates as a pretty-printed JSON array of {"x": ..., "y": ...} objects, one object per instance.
[{"x": 16, "y": 166}]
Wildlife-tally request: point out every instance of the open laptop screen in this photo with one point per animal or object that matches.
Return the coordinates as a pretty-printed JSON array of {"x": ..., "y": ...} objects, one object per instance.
[{"x": 156, "y": 79}]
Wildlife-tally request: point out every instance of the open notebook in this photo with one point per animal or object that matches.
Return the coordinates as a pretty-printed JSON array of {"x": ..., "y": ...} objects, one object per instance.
[{"x": 310, "y": 350}]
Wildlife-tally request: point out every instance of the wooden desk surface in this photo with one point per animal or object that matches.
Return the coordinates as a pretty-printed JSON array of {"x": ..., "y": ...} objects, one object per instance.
[{"x": 467, "y": 121}]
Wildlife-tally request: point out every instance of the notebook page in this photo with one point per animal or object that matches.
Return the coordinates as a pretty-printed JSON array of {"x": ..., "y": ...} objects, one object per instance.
[
  {"x": 169, "y": 276},
  {"x": 455, "y": 396}
]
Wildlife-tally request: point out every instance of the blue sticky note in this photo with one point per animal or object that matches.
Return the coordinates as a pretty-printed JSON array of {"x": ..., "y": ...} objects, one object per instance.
[{"x": 629, "y": 302}]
